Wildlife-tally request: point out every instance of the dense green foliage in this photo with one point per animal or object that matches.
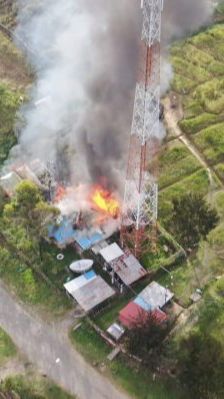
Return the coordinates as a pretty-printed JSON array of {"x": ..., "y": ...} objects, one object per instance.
[
  {"x": 145, "y": 334},
  {"x": 25, "y": 219},
  {"x": 201, "y": 364},
  {"x": 9, "y": 103},
  {"x": 192, "y": 219}
]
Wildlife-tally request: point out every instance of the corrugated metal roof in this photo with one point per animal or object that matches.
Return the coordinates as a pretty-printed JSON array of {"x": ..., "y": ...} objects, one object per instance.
[
  {"x": 111, "y": 252},
  {"x": 132, "y": 314},
  {"x": 79, "y": 282},
  {"x": 156, "y": 295},
  {"x": 128, "y": 269},
  {"x": 93, "y": 294}
]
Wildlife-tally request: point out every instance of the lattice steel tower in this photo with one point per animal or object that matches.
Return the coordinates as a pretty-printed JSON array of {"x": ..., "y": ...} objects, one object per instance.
[{"x": 139, "y": 213}]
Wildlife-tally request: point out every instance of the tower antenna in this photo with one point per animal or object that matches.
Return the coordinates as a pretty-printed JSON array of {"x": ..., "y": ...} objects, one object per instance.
[{"x": 140, "y": 205}]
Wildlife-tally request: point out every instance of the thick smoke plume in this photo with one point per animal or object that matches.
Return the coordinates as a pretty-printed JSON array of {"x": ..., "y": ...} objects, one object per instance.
[{"x": 85, "y": 56}]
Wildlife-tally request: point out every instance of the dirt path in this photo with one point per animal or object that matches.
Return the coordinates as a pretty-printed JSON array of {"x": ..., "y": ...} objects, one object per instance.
[
  {"x": 47, "y": 347},
  {"x": 172, "y": 117}
]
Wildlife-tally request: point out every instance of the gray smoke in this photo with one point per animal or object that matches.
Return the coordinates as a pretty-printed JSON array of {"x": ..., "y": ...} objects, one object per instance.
[
  {"x": 182, "y": 17},
  {"x": 85, "y": 56}
]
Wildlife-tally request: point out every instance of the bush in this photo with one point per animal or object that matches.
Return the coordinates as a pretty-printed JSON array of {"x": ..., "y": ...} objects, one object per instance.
[{"x": 201, "y": 365}]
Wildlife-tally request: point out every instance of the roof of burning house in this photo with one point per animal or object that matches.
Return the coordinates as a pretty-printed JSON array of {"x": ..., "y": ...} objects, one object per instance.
[
  {"x": 125, "y": 264},
  {"x": 65, "y": 234},
  {"x": 26, "y": 173},
  {"x": 9, "y": 183},
  {"x": 89, "y": 290}
]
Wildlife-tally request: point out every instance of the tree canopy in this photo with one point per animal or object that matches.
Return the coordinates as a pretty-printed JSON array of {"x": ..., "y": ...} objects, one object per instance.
[
  {"x": 201, "y": 365},
  {"x": 145, "y": 334},
  {"x": 26, "y": 216},
  {"x": 192, "y": 219}
]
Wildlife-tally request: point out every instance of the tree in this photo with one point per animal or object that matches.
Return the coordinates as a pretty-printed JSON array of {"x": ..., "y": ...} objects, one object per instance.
[
  {"x": 26, "y": 217},
  {"x": 201, "y": 365},
  {"x": 192, "y": 219},
  {"x": 146, "y": 333}
]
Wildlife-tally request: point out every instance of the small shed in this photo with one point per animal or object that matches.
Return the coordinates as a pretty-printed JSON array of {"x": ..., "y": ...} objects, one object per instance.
[
  {"x": 123, "y": 263},
  {"x": 89, "y": 290},
  {"x": 116, "y": 331}
]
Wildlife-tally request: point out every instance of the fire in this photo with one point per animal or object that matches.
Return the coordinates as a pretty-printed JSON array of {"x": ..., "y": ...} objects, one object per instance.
[
  {"x": 60, "y": 194},
  {"x": 104, "y": 201}
]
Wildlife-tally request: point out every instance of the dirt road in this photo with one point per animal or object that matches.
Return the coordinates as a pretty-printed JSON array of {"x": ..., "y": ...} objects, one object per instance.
[{"x": 51, "y": 351}]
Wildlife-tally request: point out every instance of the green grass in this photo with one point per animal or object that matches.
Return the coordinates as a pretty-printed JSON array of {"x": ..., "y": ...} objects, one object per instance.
[
  {"x": 90, "y": 343},
  {"x": 219, "y": 203},
  {"x": 30, "y": 288},
  {"x": 7, "y": 347},
  {"x": 211, "y": 317},
  {"x": 198, "y": 182},
  {"x": 211, "y": 142},
  {"x": 136, "y": 381},
  {"x": 199, "y": 78},
  {"x": 58, "y": 270},
  {"x": 176, "y": 162},
  {"x": 107, "y": 317},
  {"x": 202, "y": 121},
  {"x": 31, "y": 387}
]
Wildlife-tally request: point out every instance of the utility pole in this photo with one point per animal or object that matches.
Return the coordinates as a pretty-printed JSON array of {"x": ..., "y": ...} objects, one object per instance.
[{"x": 140, "y": 205}]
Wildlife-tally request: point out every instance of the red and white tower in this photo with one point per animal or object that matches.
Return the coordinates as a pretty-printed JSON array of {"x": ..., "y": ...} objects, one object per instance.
[{"x": 140, "y": 205}]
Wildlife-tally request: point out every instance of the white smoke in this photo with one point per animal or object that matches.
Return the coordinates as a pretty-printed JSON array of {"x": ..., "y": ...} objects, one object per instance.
[{"x": 85, "y": 54}]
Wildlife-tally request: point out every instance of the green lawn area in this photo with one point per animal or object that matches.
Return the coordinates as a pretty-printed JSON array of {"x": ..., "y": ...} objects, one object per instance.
[
  {"x": 176, "y": 162},
  {"x": 58, "y": 270},
  {"x": 211, "y": 142},
  {"x": 32, "y": 387},
  {"x": 136, "y": 381},
  {"x": 31, "y": 288},
  {"x": 7, "y": 347}
]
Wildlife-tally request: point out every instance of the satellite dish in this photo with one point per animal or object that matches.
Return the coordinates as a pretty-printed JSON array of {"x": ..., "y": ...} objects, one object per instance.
[{"x": 81, "y": 266}]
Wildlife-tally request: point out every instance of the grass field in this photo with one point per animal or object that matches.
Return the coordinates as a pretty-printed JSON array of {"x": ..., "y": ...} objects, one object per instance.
[
  {"x": 30, "y": 288},
  {"x": 7, "y": 347},
  {"x": 32, "y": 387},
  {"x": 176, "y": 162},
  {"x": 199, "y": 78}
]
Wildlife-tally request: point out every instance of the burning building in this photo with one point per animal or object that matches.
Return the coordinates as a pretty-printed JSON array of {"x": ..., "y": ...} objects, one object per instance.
[{"x": 89, "y": 215}]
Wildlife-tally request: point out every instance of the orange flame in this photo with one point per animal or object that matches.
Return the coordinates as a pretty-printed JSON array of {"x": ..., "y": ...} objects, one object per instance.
[
  {"x": 104, "y": 201},
  {"x": 60, "y": 194}
]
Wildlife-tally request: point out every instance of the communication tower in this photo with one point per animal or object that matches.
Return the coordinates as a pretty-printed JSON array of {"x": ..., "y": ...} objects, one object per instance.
[{"x": 140, "y": 205}]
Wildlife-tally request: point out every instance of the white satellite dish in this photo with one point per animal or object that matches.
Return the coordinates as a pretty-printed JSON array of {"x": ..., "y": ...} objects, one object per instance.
[{"x": 81, "y": 266}]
